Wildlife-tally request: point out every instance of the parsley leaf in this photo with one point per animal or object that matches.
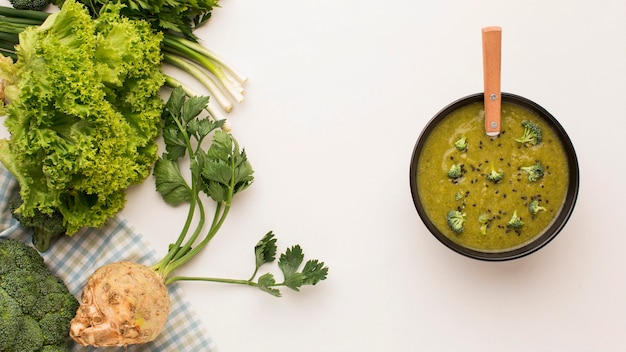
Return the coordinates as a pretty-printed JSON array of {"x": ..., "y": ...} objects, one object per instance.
[
  {"x": 174, "y": 104},
  {"x": 170, "y": 182},
  {"x": 289, "y": 263},
  {"x": 266, "y": 282},
  {"x": 265, "y": 250},
  {"x": 226, "y": 170},
  {"x": 315, "y": 271},
  {"x": 174, "y": 145},
  {"x": 183, "y": 124},
  {"x": 193, "y": 107}
]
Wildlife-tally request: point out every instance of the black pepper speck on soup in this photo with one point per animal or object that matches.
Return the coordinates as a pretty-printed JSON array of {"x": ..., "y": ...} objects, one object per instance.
[{"x": 495, "y": 201}]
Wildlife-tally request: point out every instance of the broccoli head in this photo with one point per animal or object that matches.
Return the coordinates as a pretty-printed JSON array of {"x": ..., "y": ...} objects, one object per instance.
[
  {"x": 532, "y": 134},
  {"x": 46, "y": 227},
  {"x": 456, "y": 170},
  {"x": 534, "y": 207},
  {"x": 495, "y": 176},
  {"x": 456, "y": 220},
  {"x": 11, "y": 320},
  {"x": 515, "y": 221},
  {"x": 36, "y": 5},
  {"x": 461, "y": 144},
  {"x": 14, "y": 255},
  {"x": 534, "y": 172},
  {"x": 35, "y": 306},
  {"x": 30, "y": 337}
]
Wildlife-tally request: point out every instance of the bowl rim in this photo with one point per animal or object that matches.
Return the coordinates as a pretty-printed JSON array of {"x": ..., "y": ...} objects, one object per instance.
[{"x": 561, "y": 219}]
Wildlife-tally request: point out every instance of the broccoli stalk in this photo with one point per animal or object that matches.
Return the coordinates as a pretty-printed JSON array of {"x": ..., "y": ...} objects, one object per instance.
[
  {"x": 534, "y": 172},
  {"x": 46, "y": 227},
  {"x": 532, "y": 134},
  {"x": 456, "y": 220}
]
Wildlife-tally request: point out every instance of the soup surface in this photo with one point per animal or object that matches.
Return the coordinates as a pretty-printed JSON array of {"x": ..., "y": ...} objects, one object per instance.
[{"x": 488, "y": 206}]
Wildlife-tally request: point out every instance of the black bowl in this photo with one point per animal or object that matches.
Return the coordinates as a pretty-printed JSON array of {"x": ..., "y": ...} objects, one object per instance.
[{"x": 557, "y": 225}]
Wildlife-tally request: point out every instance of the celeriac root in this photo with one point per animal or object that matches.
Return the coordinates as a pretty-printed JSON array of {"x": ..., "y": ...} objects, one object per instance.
[{"x": 123, "y": 303}]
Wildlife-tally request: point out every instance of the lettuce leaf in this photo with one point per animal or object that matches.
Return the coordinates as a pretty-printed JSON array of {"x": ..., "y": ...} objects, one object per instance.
[{"x": 83, "y": 112}]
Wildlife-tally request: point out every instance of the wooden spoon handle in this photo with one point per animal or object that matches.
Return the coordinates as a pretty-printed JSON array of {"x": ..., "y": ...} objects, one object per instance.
[{"x": 492, "y": 47}]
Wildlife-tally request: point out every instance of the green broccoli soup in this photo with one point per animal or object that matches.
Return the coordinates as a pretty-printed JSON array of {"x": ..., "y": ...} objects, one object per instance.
[{"x": 492, "y": 193}]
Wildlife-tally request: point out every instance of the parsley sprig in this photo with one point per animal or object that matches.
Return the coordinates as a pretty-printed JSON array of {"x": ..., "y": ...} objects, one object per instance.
[
  {"x": 290, "y": 263},
  {"x": 218, "y": 172}
]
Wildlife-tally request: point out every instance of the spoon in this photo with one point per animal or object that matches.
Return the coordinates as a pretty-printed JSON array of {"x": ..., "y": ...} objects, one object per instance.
[{"x": 492, "y": 44}]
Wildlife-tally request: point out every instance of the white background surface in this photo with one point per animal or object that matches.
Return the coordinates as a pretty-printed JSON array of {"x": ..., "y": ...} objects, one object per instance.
[{"x": 338, "y": 94}]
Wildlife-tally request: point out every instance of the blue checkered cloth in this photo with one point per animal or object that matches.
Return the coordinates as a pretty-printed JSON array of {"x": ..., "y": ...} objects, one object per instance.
[{"x": 73, "y": 259}]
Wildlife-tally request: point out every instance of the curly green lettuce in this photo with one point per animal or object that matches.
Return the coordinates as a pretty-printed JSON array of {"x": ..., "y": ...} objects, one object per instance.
[{"x": 83, "y": 112}]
